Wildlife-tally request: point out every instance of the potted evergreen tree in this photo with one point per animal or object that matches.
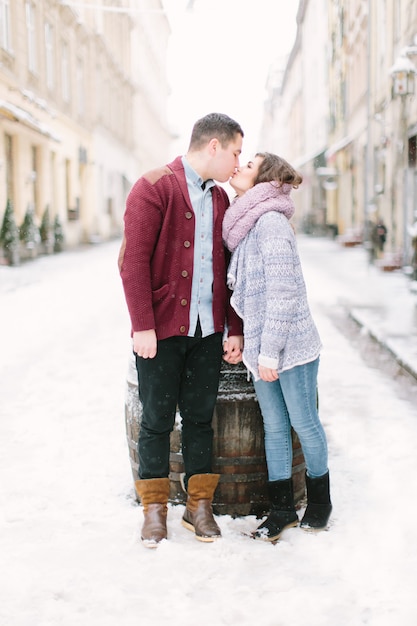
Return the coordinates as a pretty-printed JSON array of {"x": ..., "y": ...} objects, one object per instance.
[
  {"x": 46, "y": 232},
  {"x": 9, "y": 236},
  {"x": 29, "y": 234}
]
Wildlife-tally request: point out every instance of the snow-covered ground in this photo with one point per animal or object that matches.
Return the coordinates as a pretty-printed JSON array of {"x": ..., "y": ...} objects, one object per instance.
[{"x": 69, "y": 530}]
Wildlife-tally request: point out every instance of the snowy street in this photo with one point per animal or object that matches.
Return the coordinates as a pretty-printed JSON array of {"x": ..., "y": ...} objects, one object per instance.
[{"x": 69, "y": 527}]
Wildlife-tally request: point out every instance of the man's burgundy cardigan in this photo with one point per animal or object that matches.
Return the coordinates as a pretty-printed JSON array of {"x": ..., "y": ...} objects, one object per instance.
[{"x": 156, "y": 257}]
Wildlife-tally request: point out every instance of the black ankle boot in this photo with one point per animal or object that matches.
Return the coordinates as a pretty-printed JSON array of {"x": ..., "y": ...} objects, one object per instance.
[
  {"x": 282, "y": 514},
  {"x": 319, "y": 506}
]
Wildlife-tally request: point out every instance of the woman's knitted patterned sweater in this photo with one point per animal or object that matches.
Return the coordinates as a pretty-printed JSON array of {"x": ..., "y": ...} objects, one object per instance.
[{"x": 269, "y": 292}]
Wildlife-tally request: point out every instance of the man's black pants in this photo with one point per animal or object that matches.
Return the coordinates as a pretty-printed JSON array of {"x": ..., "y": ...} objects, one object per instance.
[{"x": 185, "y": 374}]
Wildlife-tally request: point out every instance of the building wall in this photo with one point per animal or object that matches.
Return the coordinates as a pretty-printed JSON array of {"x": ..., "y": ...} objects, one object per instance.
[
  {"x": 349, "y": 92},
  {"x": 298, "y": 121},
  {"x": 367, "y": 169},
  {"x": 397, "y": 121},
  {"x": 82, "y": 108}
]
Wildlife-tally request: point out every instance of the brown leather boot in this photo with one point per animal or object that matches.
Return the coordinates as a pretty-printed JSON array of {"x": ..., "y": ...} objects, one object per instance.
[
  {"x": 153, "y": 493},
  {"x": 198, "y": 514}
]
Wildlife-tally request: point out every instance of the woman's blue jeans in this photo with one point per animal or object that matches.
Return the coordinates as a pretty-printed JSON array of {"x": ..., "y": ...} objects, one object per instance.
[{"x": 292, "y": 401}]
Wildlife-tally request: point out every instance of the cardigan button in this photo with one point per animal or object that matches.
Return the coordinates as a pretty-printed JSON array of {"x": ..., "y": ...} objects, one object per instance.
[
  {"x": 183, "y": 302},
  {"x": 188, "y": 215},
  {"x": 182, "y": 329},
  {"x": 187, "y": 244},
  {"x": 184, "y": 273}
]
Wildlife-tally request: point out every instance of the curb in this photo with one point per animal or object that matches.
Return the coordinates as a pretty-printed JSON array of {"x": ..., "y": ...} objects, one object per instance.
[{"x": 385, "y": 343}]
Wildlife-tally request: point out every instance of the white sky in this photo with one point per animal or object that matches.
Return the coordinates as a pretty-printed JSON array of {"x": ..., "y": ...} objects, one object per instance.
[{"x": 218, "y": 60}]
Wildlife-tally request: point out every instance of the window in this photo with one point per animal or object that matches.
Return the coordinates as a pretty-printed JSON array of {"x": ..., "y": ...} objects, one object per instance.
[
  {"x": 397, "y": 20},
  {"x": 5, "y": 35},
  {"x": 80, "y": 88},
  {"x": 49, "y": 56},
  {"x": 67, "y": 183},
  {"x": 412, "y": 156},
  {"x": 34, "y": 177},
  {"x": 65, "y": 72},
  {"x": 31, "y": 37},
  {"x": 8, "y": 142},
  {"x": 53, "y": 181}
]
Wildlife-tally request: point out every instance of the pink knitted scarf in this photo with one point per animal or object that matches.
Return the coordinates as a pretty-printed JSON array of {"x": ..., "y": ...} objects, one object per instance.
[{"x": 245, "y": 210}]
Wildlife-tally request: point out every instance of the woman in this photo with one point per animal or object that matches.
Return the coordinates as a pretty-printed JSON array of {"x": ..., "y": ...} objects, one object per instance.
[{"x": 282, "y": 345}]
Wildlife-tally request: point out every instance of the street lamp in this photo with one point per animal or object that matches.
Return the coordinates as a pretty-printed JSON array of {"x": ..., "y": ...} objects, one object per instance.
[
  {"x": 403, "y": 72},
  {"x": 403, "y": 76}
]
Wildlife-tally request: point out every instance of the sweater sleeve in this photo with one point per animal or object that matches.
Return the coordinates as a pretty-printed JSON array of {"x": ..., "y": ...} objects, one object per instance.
[
  {"x": 143, "y": 220},
  {"x": 276, "y": 242}
]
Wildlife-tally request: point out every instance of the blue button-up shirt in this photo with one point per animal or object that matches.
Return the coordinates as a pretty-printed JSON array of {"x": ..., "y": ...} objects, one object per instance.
[{"x": 202, "y": 285}]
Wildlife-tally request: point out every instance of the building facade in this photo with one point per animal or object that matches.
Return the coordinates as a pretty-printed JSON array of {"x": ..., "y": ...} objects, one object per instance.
[
  {"x": 83, "y": 93},
  {"x": 296, "y": 124},
  {"x": 356, "y": 135}
]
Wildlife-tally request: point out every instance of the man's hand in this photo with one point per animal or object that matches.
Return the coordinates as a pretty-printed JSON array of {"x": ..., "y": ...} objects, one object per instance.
[
  {"x": 232, "y": 349},
  {"x": 144, "y": 343},
  {"x": 267, "y": 374}
]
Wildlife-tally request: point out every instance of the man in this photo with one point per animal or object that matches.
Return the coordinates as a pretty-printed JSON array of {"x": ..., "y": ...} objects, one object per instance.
[{"x": 173, "y": 267}]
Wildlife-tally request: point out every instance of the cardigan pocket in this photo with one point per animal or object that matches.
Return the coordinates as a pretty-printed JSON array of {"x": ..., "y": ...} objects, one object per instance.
[{"x": 159, "y": 294}]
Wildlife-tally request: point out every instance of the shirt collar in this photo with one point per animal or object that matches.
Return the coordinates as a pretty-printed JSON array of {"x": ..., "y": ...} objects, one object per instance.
[{"x": 193, "y": 178}]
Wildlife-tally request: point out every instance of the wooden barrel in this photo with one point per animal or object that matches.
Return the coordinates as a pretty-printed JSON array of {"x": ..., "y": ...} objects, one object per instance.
[
  {"x": 238, "y": 446},
  {"x": 239, "y": 450}
]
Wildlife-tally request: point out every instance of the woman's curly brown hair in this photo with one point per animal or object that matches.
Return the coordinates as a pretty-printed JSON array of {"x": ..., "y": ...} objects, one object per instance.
[{"x": 275, "y": 168}]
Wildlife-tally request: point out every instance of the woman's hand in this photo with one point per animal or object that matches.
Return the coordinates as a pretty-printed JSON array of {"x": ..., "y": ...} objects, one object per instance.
[
  {"x": 267, "y": 374},
  {"x": 232, "y": 349}
]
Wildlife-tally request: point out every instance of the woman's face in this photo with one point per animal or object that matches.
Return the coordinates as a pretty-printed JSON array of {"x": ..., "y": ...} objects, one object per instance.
[{"x": 244, "y": 176}]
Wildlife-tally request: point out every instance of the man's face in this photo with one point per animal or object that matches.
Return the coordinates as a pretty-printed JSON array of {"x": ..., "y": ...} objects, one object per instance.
[{"x": 226, "y": 160}]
